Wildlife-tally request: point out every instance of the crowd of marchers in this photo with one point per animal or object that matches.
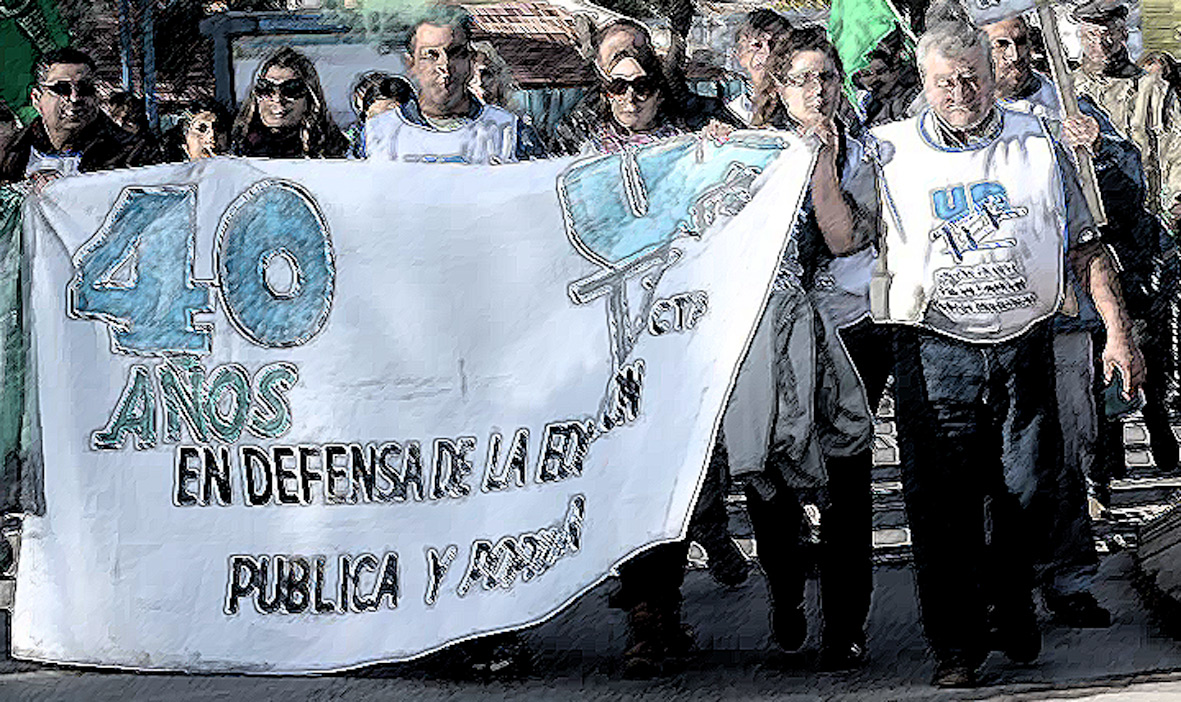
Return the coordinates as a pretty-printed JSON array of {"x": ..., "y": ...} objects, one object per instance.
[{"x": 946, "y": 242}]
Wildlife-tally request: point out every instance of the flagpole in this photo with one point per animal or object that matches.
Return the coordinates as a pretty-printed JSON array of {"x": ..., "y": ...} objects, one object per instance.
[{"x": 1064, "y": 86}]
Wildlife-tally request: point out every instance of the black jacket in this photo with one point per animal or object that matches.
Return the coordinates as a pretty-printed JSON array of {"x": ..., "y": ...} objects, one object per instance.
[{"x": 102, "y": 146}]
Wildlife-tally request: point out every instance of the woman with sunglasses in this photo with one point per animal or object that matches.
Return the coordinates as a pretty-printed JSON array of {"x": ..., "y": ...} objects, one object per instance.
[
  {"x": 203, "y": 131},
  {"x": 285, "y": 114},
  {"x": 632, "y": 105},
  {"x": 819, "y": 459}
]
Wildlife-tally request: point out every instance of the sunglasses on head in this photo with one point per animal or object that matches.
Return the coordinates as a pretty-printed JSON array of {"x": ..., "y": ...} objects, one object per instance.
[
  {"x": 292, "y": 89},
  {"x": 643, "y": 87},
  {"x": 63, "y": 88}
]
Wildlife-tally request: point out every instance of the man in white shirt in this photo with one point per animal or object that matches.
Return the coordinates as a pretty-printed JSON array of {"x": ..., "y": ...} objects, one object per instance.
[
  {"x": 447, "y": 124},
  {"x": 977, "y": 200}
]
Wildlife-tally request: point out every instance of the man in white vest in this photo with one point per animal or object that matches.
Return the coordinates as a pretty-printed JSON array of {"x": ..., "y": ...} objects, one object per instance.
[
  {"x": 447, "y": 124},
  {"x": 983, "y": 212}
]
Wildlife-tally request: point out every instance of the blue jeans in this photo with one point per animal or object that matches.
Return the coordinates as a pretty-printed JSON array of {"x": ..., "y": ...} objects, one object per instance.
[{"x": 968, "y": 413}]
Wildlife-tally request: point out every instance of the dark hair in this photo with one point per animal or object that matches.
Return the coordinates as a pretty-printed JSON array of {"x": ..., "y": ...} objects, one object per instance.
[
  {"x": 134, "y": 105},
  {"x": 646, "y": 56},
  {"x": 763, "y": 20},
  {"x": 440, "y": 16},
  {"x": 64, "y": 55},
  {"x": 200, "y": 105},
  {"x": 317, "y": 131},
  {"x": 783, "y": 50},
  {"x": 379, "y": 85},
  {"x": 6, "y": 114}
]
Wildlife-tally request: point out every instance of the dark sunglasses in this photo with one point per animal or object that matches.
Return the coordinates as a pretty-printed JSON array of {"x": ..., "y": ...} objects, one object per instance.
[
  {"x": 293, "y": 89},
  {"x": 63, "y": 88},
  {"x": 643, "y": 88}
]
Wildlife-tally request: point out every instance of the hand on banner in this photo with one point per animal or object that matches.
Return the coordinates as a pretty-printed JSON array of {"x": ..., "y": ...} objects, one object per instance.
[
  {"x": 38, "y": 180},
  {"x": 1123, "y": 353},
  {"x": 1080, "y": 131},
  {"x": 717, "y": 131}
]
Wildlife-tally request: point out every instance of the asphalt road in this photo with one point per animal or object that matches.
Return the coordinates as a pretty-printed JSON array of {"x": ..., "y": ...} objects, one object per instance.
[{"x": 576, "y": 656}]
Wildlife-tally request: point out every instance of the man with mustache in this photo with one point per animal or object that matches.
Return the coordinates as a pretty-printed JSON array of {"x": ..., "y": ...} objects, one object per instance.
[
  {"x": 1143, "y": 108},
  {"x": 1066, "y": 569},
  {"x": 70, "y": 134},
  {"x": 447, "y": 123},
  {"x": 980, "y": 203}
]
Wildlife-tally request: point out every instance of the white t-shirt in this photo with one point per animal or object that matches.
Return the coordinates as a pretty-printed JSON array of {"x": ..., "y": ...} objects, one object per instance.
[
  {"x": 489, "y": 137},
  {"x": 65, "y": 165}
]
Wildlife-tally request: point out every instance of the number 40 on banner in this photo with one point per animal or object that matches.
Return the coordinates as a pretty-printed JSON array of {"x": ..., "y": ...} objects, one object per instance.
[{"x": 273, "y": 256}]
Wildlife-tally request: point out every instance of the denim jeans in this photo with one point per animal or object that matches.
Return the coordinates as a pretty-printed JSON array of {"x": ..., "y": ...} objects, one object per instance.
[{"x": 968, "y": 414}]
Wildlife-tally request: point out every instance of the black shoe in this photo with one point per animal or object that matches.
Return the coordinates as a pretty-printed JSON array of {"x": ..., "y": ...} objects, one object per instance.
[
  {"x": 1023, "y": 644},
  {"x": 657, "y": 642},
  {"x": 843, "y": 656},
  {"x": 789, "y": 627},
  {"x": 1078, "y": 610},
  {"x": 1017, "y": 635},
  {"x": 956, "y": 672},
  {"x": 500, "y": 656},
  {"x": 728, "y": 565}
]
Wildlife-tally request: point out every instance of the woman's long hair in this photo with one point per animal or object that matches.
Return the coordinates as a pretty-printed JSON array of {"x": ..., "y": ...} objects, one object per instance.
[
  {"x": 317, "y": 132},
  {"x": 768, "y": 109}
]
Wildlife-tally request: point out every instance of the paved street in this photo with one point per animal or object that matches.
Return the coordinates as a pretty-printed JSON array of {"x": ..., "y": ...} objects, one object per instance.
[
  {"x": 577, "y": 651},
  {"x": 576, "y": 654}
]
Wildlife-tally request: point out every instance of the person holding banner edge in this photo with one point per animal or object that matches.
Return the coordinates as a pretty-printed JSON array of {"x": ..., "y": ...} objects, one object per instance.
[
  {"x": 1067, "y": 563},
  {"x": 974, "y": 268}
]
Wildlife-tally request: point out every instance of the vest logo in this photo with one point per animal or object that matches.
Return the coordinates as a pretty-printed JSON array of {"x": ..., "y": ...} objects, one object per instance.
[{"x": 973, "y": 226}]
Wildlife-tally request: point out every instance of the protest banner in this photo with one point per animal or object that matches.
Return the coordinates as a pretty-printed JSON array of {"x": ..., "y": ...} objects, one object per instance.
[{"x": 294, "y": 417}]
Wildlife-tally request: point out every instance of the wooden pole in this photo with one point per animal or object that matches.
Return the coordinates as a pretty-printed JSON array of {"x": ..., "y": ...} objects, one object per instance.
[{"x": 1069, "y": 101}]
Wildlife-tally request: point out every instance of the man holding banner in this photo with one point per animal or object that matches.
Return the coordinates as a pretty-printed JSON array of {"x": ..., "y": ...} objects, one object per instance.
[
  {"x": 1067, "y": 561},
  {"x": 977, "y": 199}
]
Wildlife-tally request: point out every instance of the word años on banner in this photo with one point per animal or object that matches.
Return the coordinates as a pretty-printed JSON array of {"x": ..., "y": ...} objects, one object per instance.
[
  {"x": 214, "y": 405},
  {"x": 387, "y": 472}
]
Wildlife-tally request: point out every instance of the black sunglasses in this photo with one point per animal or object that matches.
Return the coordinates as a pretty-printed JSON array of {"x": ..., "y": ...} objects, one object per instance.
[
  {"x": 63, "y": 88},
  {"x": 644, "y": 87},
  {"x": 292, "y": 89}
]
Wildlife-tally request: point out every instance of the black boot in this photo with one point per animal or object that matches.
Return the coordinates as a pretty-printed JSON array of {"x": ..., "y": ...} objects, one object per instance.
[
  {"x": 777, "y": 525},
  {"x": 657, "y": 641}
]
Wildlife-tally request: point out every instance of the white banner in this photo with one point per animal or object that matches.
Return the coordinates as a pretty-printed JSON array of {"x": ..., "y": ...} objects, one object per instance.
[{"x": 302, "y": 416}]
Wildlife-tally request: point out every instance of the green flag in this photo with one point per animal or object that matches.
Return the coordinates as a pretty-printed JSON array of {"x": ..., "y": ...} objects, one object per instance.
[
  {"x": 26, "y": 31},
  {"x": 856, "y": 27},
  {"x": 12, "y": 352}
]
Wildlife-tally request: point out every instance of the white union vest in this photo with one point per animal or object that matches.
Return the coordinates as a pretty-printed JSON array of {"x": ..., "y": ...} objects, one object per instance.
[
  {"x": 491, "y": 137},
  {"x": 975, "y": 237}
]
